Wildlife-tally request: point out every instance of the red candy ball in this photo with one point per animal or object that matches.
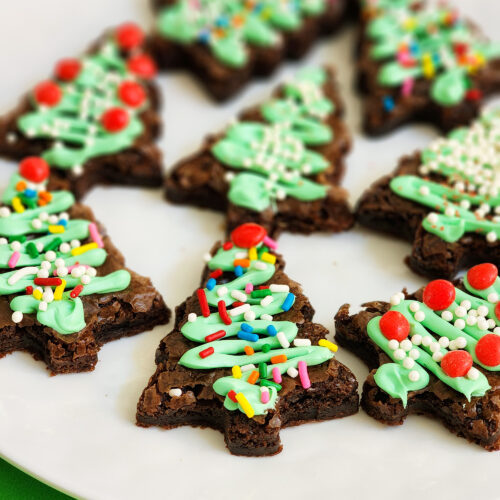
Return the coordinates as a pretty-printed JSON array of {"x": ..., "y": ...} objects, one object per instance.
[
  {"x": 34, "y": 169},
  {"x": 142, "y": 65},
  {"x": 497, "y": 310},
  {"x": 248, "y": 235},
  {"x": 482, "y": 276},
  {"x": 456, "y": 363},
  {"x": 439, "y": 294},
  {"x": 129, "y": 36},
  {"x": 394, "y": 326},
  {"x": 132, "y": 94},
  {"x": 68, "y": 69},
  {"x": 48, "y": 93},
  {"x": 488, "y": 350},
  {"x": 115, "y": 119}
]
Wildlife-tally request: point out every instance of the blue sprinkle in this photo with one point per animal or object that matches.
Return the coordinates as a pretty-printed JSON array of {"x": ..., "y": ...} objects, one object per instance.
[
  {"x": 211, "y": 283},
  {"x": 246, "y": 328},
  {"x": 238, "y": 270},
  {"x": 271, "y": 330},
  {"x": 251, "y": 337},
  {"x": 388, "y": 103},
  {"x": 287, "y": 305},
  {"x": 222, "y": 22},
  {"x": 29, "y": 193},
  {"x": 63, "y": 222},
  {"x": 204, "y": 37}
]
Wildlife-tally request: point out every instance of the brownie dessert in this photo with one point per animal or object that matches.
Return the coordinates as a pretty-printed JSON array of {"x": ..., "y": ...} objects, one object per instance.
[
  {"x": 422, "y": 61},
  {"x": 279, "y": 165},
  {"x": 228, "y": 42},
  {"x": 64, "y": 289},
  {"x": 245, "y": 357},
  {"x": 95, "y": 121},
  {"x": 444, "y": 199},
  {"x": 435, "y": 352}
]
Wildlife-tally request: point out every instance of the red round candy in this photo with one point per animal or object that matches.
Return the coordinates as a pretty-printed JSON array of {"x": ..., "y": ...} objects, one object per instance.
[
  {"x": 115, "y": 119},
  {"x": 248, "y": 235},
  {"x": 34, "y": 169},
  {"x": 129, "y": 36},
  {"x": 142, "y": 65},
  {"x": 68, "y": 69},
  {"x": 456, "y": 363},
  {"x": 488, "y": 350},
  {"x": 132, "y": 94},
  {"x": 394, "y": 326},
  {"x": 48, "y": 93},
  {"x": 439, "y": 294},
  {"x": 497, "y": 310},
  {"x": 482, "y": 276}
]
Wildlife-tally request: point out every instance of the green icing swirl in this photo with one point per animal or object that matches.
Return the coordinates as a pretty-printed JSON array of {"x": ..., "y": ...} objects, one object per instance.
[
  {"x": 275, "y": 158},
  {"x": 74, "y": 123},
  {"x": 230, "y": 352},
  {"x": 226, "y": 26},
  {"x": 468, "y": 160}
]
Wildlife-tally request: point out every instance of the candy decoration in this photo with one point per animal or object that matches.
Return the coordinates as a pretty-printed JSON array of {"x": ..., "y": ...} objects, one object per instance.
[
  {"x": 34, "y": 169},
  {"x": 129, "y": 36},
  {"x": 142, "y": 65},
  {"x": 248, "y": 235},
  {"x": 115, "y": 119},
  {"x": 456, "y": 363},
  {"x": 48, "y": 93},
  {"x": 394, "y": 326},
  {"x": 488, "y": 350},
  {"x": 482, "y": 276},
  {"x": 132, "y": 94},
  {"x": 68, "y": 69},
  {"x": 439, "y": 294}
]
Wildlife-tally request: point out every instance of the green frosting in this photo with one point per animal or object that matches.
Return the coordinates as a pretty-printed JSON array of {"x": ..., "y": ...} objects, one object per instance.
[
  {"x": 274, "y": 157},
  {"x": 413, "y": 42},
  {"x": 226, "y": 26},
  {"x": 466, "y": 200},
  {"x": 74, "y": 123},
  {"x": 229, "y": 352}
]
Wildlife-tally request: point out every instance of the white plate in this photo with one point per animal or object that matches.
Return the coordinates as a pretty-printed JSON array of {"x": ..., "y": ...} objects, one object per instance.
[{"x": 78, "y": 432}]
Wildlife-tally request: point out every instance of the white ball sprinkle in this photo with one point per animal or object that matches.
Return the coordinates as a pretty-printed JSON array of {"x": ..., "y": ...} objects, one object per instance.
[
  {"x": 473, "y": 374},
  {"x": 419, "y": 316},
  {"x": 414, "y": 376},
  {"x": 433, "y": 218},
  {"x": 426, "y": 341},
  {"x": 75, "y": 243},
  {"x": 395, "y": 300},
  {"x": 460, "y": 342},
  {"x": 64, "y": 248},
  {"x": 36, "y": 223},
  {"x": 62, "y": 271},
  {"x": 482, "y": 310},
  {"x": 50, "y": 256},
  {"x": 175, "y": 393},
  {"x": 414, "y": 354},
  {"x": 42, "y": 305},
  {"x": 192, "y": 317},
  {"x": 17, "y": 316},
  {"x": 491, "y": 237},
  {"x": 434, "y": 347},
  {"x": 46, "y": 265},
  {"x": 437, "y": 356},
  {"x": 408, "y": 363},
  {"x": 393, "y": 344},
  {"x": 399, "y": 354},
  {"x": 459, "y": 323},
  {"x": 416, "y": 339},
  {"x": 85, "y": 279},
  {"x": 414, "y": 306},
  {"x": 460, "y": 311},
  {"x": 444, "y": 342},
  {"x": 466, "y": 304},
  {"x": 16, "y": 246},
  {"x": 493, "y": 297},
  {"x": 406, "y": 345},
  {"x": 42, "y": 273},
  {"x": 447, "y": 315}
]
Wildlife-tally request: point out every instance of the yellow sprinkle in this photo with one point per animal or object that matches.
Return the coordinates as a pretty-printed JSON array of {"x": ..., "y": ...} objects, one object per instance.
[
  {"x": 84, "y": 248},
  {"x": 267, "y": 257},
  {"x": 37, "y": 294},
  {"x": 245, "y": 405},
  {"x": 252, "y": 253},
  {"x": 59, "y": 228},
  {"x": 236, "y": 371},
  {"x": 17, "y": 205},
  {"x": 59, "y": 290},
  {"x": 329, "y": 345}
]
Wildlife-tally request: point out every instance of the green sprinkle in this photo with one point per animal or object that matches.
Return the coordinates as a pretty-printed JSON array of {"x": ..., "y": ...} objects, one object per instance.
[
  {"x": 268, "y": 383},
  {"x": 21, "y": 238},
  {"x": 29, "y": 202},
  {"x": 53, "y": 244},
  {"x": 256, "y": 294},
  {"x": 32, "y": 250},
  {"x": 262, "y": 249},
  {"x": 266, "y": 348},
  {"x": 262, "y": 370}
]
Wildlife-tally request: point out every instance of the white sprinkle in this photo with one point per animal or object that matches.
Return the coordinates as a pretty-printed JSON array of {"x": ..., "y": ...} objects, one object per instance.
[
  {"x": 460, "y": 342},
  {"x": 192, "y": 317},
  {"x": 42, "y": 306},
  {"x": 236, "y": 311},
  {"x": 414, "y": 354},
  {"x": 408, "y": 363},
  {"x": 414, "y": 306},
  {"x": 75, "y": 243},
  {"x": 268, "y": 299},
  {"x": 482, "y": 323},
  {"x": 175, "y": 393},
  {"x": 447, "y": 315},
  {"x": 491, "y": 237},
  {"x": 393, "y": 344},
  {"x": 493, "y": 297},
  {"x": 3, "y": 241},
  {"x": 426, "y": 341},
  {"x": 437, "y": 356},
  {"x": 444, "y": 342},
  {"x": 238, "y": 295},
  {"x": 48, "y": 295},
  {"x": 207, "y": 257},
  {"x": 433, "y": 218},
  {"x": 42, "y": 273},
  {"x": 266, "y": 317},
  {"x": 64, "y": 248},
  {"x": 473, "y": 374},
  {"x": 246, "y": 368},
  {"x": 416, "y": 339},
  {"x": 36, "y": 223},
  {"x": 62, "y": 271},
  {"x": 258, "y": 264},
  {"x": 21, "y": 273},
  {"x": 16, "y": 246},
  {"x": 17, "y": 316},
  {"x": 395, "y": 300},
  {"x": 419, "y": 316},
  {"x": 414, "y": 376},
  {"x": 85, "y": 279},
  {"x": 399, "y": 354},
  {"x": 460, "y": 311},
  {"x": 301, "y": 342},
  {"x": 482, "y": 310},
  {"x": 466, "y": 304},
  {"x": 279, "y": 288},
  {"x": 459, "y": 323},
  {"x": 249, "y": 316},
  {"x": 292, "y": 372},
  {"x": 222, "y": 291},
  {"x": 424, "y": 190},
  {"x": 50, "y": 256},
  {"x": 434, "y": 347},
  {"x": 4, "y": 212},
  {"x": 283, "y": 340},
  {"x": 241, "y": 255}
]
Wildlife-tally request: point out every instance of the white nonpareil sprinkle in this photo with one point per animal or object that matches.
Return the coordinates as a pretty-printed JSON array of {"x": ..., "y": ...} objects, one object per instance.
[
  {"x": 175, "y": 393},
  {"x": 447, "y": 315},
  {"x": 17, "y": 316},
  {"x": 419, "y": 316},
  {"x": 192, "y": 317},
  {"x": 222, "y": 291},
  {"x": 249, "y": 316},
  {"x": 414, "y": 376},
  {"x": 393, "y": 344},
  {"x": 292, "y": 372},
  {"x": 414, "y": 306}
]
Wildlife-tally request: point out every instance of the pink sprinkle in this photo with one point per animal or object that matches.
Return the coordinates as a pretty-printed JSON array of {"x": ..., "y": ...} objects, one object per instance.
[
  {"x": 248, "y": 288},
  {"x": 14, "y": 258},
  {"x": 407, "y": 87},
  {"x": 264, "y": 396},
  {"x": 304, "y": 375},
  {"x": 270, "y": 243},
  {"x": 277, "y": 375},
  {"x": 94, "y": 234}
]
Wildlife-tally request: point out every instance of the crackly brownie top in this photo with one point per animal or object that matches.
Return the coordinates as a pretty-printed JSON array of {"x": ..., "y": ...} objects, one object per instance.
[
  {"x": 273, "y": 156},
  {"x": 91, "y": 106},
  {"x": 226, "y": 26},
  {"x": 459, "y": 180},
  {"x": 242, "y": 334},
  {"x": 445, "y": 333},
  {"x": 413, "y": 40},
  {"x": 51, "y": 259}
]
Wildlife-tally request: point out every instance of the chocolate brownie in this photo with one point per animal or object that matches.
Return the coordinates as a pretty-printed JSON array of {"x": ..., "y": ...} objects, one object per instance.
[
  {"x": 95, "y": 121},
  {"x": 444, "y": 199},
  {"x": 229, "y": 363},
  {"x": 279, "y": 165},
  {"x": 64, "y": 289},
  {"x": 228, "y": 42},
  {"x": 435, "y": 352},
  {"x": 422, "y": 62}
]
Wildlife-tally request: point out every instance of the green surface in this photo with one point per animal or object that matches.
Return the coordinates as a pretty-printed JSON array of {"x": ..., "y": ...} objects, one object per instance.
[{"x": 15, "y": 484}]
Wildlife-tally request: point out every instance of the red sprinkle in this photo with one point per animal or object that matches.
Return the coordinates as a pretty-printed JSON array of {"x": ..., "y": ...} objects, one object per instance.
[
  {"x": 482, "y": 276},
  {"x": 115, "y": 119},
  {"x": 131, "y": 93},
  {"x": 206, "y": 352},
  {"x": 474, "y": 95},
  {"x": 232, "y": 396},
  {"x": 488, "y": 350},
  {"x": 47, "y": 281},
  {"x": 68, "y": 69},
  {"x": 227, "y": 246},
  {"x": 248, "y": 235},
  {"x": 142, "y": 65},
  {"x": 76, "y": 291},
  {"x": 221, "y": 305},
  {"x": 29, "y": 290},
  {"x": 129, "y": 36},
  {"x": 34, "y": 169},
  {"x": 215, "y": 336},
  {"x": 202, "y": 298},
  {"x": 456, "y": 363},
  {"x": 216, "y": 274},
  {"x": 439, "y": 294},
  {"x": 238, "y": 304},
  {"x": 48, "y": 93}
]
